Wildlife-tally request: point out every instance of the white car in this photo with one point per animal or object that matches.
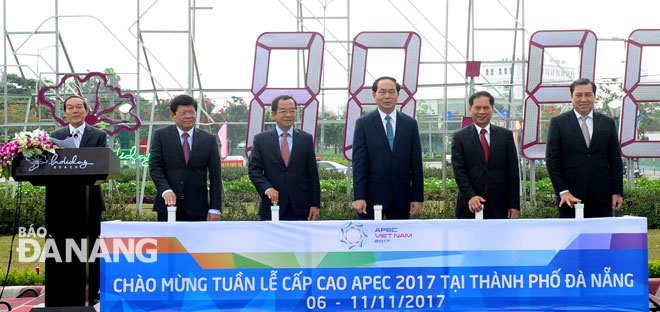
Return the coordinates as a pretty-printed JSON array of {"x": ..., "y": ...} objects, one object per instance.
[
  {"x": 233, "y": 161},
  {"x": 331, "y": 165}
]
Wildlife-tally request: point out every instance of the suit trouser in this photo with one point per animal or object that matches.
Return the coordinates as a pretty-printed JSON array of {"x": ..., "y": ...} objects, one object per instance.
[
  {"x": 592, "y": 208},
  {"x": 181, "y": 214},
  {"x": 287, "y": 214},
  {"x": 391, "y": 214},
  {"x": 488, "y": 210}
]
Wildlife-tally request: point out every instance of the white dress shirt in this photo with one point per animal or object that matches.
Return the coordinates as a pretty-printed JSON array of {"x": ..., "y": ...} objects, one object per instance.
[{"x": 392, "y": 121}]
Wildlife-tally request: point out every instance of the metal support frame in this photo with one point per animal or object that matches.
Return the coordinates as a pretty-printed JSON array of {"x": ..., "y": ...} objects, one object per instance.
[{"x": 303, "y": 16}]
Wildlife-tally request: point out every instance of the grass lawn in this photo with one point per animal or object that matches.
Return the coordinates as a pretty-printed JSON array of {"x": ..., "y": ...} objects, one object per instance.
[
  {"x": 5, "y": 240},
  {"x": 654, "y": 244},
  {"x": 653, "y": 238}
]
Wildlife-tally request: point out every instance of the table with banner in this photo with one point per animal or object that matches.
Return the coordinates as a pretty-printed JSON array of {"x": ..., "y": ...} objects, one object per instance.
[{"x": 444, "y": 265}]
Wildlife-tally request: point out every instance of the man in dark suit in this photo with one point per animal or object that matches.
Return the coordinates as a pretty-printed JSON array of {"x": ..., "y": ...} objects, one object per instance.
[
  {"x": 583, "y": 157},
  {"x": 387, "y": 158},
  {"x": 76, "y": 110},
  {"x": 283, "y": 166},
  {"x": 182, "y": 159},
  {"x": 485, "y": 163}
]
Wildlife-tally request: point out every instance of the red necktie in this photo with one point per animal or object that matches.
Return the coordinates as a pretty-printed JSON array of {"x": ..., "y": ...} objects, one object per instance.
[
  {"x": 484, "y": 146},
  {"x": 284, "y": 149},
  {"x": 186, "y": 146}
]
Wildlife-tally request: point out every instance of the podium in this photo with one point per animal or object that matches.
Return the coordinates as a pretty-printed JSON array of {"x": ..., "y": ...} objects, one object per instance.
[{"x": 69, "y": 176}]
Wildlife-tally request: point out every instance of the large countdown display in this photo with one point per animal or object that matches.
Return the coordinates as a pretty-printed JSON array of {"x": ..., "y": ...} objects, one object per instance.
[
  {"x": 305, "y": 97},
  {"x": 400, "y": 265},
  {"x": 361, "y": 95},
  {"x": 637, "y": 92},
  {"x": 539, "y": 94}
]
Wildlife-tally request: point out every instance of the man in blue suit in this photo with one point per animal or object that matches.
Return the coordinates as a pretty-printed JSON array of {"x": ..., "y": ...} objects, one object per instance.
[
  {"x": 387, "y": 158},
  {"x": 283, "y": 167}
]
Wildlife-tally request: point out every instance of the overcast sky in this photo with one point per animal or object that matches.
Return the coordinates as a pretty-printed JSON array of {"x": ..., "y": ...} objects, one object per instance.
[{"x": 100, "y": 34}]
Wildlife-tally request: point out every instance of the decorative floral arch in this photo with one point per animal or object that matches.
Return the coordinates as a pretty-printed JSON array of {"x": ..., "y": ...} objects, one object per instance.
[{"x": 96, "y": 114}]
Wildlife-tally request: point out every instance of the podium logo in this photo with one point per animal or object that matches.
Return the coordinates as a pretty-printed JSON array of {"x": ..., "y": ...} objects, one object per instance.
[
  {"x": 30, "y": 249},
  {"x": 56, "y": 163}
]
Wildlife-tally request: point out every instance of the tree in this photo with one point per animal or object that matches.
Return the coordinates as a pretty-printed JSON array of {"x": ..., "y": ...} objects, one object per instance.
[
  {"x": 16, "y": 85},
  {"x": 16, "y": 108},
  {"x": 605, "y": 95},
  {"x": 648, "y": 113},
  {"x": 333, "y": 133},
  {"x": 235, "y": 111},
  {"x": 650, "y": 119}
]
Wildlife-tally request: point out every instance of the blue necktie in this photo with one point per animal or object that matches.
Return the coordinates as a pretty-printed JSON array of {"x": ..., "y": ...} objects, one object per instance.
[{"x": 390, "y": 132}]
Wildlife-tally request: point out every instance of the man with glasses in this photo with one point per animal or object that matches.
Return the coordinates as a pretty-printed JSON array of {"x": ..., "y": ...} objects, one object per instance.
[
  {"x": 283, "y": 166},
  {"x": 182, "y": 159},
  {"x": 387, "y": 158}
]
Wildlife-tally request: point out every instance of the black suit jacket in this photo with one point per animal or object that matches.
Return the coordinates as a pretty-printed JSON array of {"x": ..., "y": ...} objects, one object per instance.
[
  {"x": 574, "y": 167},
  {"x": 382, "y": 176},
  {"x": 471, "y": 171},
  {"x": 188, "y": 181},
  {"x": 92, "y": 137},
  {"x": 297, "y": 184}
]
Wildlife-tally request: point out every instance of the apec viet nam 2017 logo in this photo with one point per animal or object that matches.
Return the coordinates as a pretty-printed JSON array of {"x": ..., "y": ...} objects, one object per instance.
[{"x": 353, "y": 235}]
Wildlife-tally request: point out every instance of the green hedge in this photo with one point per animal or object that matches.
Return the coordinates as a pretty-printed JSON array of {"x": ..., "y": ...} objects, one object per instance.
[
  {"x": 654, "y": 268},
  {"x": 643, "y": 201},
  {"x": 240, "y": 201},
  {"x": 231, "y": 174},
  {"x": 331, "y": 175},
  {"x": 26, "y": 276},
  {"x": 32, "y": 210}
]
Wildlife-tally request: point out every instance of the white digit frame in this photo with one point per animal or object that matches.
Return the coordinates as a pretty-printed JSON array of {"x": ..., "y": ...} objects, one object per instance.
[
  {"x": 637, "y": 92},
  {"x": 305, "y": 97},
  {"x": 538, "y": 94},
  {"x": 361, "y": 95}
]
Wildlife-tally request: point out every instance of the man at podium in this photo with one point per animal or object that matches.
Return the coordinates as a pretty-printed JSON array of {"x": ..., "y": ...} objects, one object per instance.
[{"x": 76, "y": 110}]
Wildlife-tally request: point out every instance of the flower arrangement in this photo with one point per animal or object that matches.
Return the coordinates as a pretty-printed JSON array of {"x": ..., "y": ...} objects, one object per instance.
[{"x": 30, "y": 143}]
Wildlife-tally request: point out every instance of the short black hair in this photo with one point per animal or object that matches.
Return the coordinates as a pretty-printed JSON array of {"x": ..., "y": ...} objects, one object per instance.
[
  {"x": 374, "y": 87},
  {"x": 491, "y": 99},
  {"x": 283, "y": 97},
  {"x": 76, "y": 97},
  {"x": 182, "y": 100},
  {"x": 583, "y": 82}
]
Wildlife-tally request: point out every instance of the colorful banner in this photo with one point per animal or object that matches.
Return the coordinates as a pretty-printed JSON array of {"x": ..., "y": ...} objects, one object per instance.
[{"x": 440, "y": 265}]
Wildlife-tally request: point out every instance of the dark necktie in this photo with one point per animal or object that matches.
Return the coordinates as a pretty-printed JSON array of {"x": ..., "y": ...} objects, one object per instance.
[
  {"x": 484, "y": 146},
  {"x": 186, "y": 146},
  {"x": 390, "y": 132},
  {"x": 284, "y": 149}
]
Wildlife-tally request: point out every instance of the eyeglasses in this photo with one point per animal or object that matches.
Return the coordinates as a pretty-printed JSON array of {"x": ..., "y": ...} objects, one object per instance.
[
  {"x": 187, "y": 113},
  {"x": 286, "y": 111}
]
